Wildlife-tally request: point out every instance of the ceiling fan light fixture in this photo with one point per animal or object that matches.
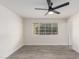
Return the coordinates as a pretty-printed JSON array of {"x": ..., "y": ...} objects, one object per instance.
[{"x": 50, "y": 12}]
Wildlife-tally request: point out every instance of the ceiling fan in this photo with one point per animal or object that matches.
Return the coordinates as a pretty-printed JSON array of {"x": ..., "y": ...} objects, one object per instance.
[{"x": 51, "y": 9}]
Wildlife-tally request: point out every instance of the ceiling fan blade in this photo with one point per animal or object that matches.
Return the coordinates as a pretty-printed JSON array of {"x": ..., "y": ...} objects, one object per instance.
[
  {"x": 40, "y": 9},
  {"x": 49, "y": 3},
  {"x": 62, "y": 5},
  {"x": 56, "y": 12}
]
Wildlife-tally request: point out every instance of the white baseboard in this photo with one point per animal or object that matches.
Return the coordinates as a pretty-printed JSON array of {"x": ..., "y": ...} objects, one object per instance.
[
  {"x": 12, "y": 51},
  {"x": 75, "y": 49}
]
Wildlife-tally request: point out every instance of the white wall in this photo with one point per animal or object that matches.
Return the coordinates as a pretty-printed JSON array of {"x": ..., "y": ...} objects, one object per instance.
[
  {"x": 10, "y": 32},
  {"x": 74, "y": 23},
  {"x": 31, "y": 39}
]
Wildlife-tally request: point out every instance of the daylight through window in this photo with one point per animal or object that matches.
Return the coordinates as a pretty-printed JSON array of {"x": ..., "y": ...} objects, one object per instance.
[{"x": 45, "y": 28}]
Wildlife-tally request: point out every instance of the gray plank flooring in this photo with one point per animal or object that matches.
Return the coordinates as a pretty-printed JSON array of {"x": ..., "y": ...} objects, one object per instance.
[{"x": 44, "y": 52}]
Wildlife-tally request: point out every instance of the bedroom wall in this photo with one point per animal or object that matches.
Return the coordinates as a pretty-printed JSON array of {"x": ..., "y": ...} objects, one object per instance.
[
  {"x": 74, "y": 32},
  {"x": 31, "y": 39},
  {"x": 11, "y": 37}
]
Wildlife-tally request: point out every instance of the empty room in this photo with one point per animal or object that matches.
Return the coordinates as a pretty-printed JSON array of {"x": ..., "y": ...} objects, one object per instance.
[{"x": 39, "y": 29}]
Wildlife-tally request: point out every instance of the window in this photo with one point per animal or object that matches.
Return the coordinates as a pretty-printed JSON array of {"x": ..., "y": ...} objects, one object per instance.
[{"x": 45, "y": 28}]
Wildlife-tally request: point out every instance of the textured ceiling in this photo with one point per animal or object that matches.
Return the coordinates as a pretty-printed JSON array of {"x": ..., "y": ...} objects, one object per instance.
[{"x": 25, "y": 8}]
